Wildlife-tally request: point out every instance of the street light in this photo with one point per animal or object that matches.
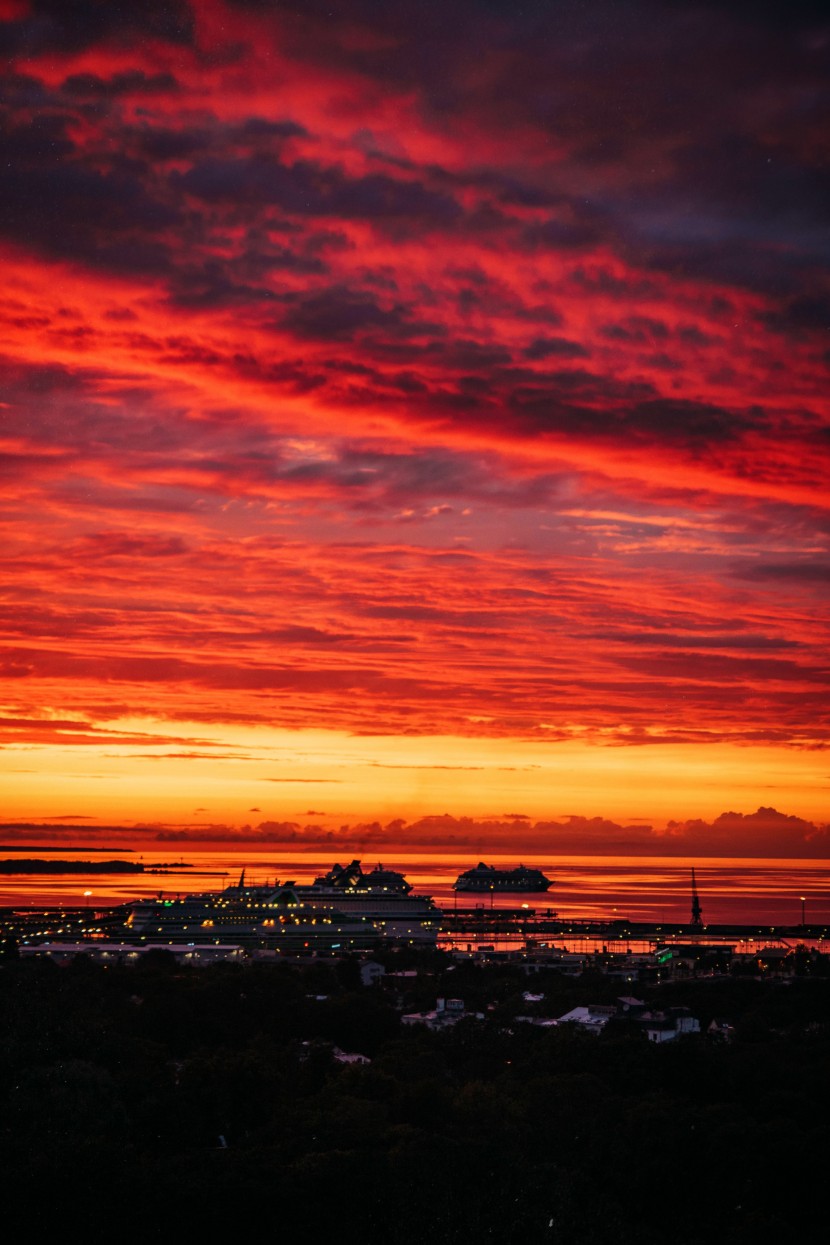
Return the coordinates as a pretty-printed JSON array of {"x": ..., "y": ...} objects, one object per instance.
[
  {"x": 803, "y": 922},
  {"x": 87, "y": 895}
]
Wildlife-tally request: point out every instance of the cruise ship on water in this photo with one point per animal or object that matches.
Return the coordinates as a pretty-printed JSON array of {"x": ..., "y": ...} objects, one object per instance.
[
  {"x": 344, "y": 910},
  {"x": 489, "y": 878}
]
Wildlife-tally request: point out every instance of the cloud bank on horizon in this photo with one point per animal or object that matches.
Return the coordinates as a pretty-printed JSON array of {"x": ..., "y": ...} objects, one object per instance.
[
  {"x": 415, "y": 371},
  {"x": 766, "y": 832}
]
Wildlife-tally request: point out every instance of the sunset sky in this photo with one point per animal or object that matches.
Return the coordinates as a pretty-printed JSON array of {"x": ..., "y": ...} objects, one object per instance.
[{"x": 416, "y": 411}]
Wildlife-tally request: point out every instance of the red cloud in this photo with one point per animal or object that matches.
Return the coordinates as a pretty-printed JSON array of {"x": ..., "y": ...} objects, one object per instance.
[{"x": 369, "y": 380}]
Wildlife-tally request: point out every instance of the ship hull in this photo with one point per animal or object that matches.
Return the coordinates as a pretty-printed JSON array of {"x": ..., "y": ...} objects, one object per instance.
[{"x": 483, "y": 888}]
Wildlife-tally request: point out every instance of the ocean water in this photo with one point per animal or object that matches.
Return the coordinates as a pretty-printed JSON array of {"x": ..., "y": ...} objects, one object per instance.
[{"x": 738, "y": 891}]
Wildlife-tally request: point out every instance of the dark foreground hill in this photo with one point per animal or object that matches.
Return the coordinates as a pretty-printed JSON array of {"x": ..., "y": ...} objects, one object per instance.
[{"x": 162, "y": 1102}]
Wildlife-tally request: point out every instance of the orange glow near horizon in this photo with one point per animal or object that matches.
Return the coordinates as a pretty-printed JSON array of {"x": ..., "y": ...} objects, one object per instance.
[
  {"x": 385, "y": 779},
  {"x": 384, "y": 437}
]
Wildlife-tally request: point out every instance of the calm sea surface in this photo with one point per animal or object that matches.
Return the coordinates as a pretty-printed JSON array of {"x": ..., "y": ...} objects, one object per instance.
[{"x": 744, "y": 891}]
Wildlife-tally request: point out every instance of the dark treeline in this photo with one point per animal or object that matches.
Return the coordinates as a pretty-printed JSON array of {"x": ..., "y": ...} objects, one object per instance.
[{"x": 157, "y": 1100}]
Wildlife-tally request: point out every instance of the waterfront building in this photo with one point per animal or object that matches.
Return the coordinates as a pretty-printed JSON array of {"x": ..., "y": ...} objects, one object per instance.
[{"x": 446, "y": 1013}]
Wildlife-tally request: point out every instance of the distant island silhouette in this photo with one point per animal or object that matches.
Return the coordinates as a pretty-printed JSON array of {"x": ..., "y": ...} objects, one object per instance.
[{"x": 70, "y": 866}]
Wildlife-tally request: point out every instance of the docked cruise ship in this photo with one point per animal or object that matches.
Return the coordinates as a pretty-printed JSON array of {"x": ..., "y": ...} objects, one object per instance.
[
  {"x": 344, "y": 910},
  {"x": 381, "y": 896}
]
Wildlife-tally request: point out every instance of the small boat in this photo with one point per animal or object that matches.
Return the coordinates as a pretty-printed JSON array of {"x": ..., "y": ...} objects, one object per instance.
[{"x": 488, "y": 878}]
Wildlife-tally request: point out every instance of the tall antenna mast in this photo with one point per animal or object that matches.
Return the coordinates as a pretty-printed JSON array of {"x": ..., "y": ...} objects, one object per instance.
[{"x": 697, "y": 913}]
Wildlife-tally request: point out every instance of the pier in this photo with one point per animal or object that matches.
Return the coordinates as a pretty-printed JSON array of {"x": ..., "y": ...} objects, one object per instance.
[{"x": 513, "y": 925}]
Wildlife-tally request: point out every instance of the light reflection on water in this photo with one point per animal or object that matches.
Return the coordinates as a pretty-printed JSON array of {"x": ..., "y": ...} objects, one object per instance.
[{"x": 739, "y": 891}]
